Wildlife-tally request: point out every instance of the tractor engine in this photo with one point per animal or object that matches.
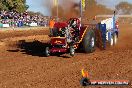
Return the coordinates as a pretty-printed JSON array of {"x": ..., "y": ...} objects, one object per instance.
[{"x": 70, "y": 30}]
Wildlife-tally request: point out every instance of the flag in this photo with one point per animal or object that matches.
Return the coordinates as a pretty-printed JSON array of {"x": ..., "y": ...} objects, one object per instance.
[
  {"x": 83, "y": 5},
  {"x": 55, "y": 2}
]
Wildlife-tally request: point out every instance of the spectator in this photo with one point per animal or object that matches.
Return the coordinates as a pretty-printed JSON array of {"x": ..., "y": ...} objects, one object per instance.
[
  {"x": 51, "y": 25},
  {"x": 13, "y": 17}
]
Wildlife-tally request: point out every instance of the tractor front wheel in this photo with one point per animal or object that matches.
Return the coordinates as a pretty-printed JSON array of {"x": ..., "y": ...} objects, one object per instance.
[{"x": 115, "y": 38}]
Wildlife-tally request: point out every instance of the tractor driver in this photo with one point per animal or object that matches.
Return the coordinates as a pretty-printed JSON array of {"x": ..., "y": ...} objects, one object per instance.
[{"x": 74, "y": 25}]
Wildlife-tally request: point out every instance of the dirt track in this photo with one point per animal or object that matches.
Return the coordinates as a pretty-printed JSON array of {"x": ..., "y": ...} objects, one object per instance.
[{"x": 28, "y": 68}]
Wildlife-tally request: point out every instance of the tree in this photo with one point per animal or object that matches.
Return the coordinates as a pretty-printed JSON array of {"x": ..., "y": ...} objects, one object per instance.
[
  {"x": 35, "y": 13},
  {"x": 18, "y": 5},
  {"x": 90, "y": 3},
  {"x": 93, "y": 9},
  {"x": 124, "y": 8}
]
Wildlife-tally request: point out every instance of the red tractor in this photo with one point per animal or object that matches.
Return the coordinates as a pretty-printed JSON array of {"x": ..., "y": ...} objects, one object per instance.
[{"x": 69, "y": 36}]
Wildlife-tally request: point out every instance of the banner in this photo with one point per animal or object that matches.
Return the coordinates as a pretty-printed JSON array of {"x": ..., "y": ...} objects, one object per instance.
[
  {"x": 33, "y": 24},
  {"x": 6, "y": 25}
]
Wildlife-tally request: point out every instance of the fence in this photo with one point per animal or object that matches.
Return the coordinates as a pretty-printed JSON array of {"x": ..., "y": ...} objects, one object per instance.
[{"x": 10, "y": 23}]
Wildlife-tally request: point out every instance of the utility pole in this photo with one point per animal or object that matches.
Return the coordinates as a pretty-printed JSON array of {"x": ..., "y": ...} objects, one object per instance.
[
  {"x": 57, "y": 11},
  {"x": 82, "y": 8},
  {"x": 81, "y": 12},
  {"x": 55, "y": 3}
]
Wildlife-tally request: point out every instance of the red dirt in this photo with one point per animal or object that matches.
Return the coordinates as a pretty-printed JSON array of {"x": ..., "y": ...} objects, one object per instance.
[
  {"x": 30, "y": 69},
  {"x": 22, "y": 32}
]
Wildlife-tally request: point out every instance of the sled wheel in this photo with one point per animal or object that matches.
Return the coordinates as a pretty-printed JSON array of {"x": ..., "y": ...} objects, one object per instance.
[
  {"x": 72, "y": 51},
  {"x": 47, "y": 52}
]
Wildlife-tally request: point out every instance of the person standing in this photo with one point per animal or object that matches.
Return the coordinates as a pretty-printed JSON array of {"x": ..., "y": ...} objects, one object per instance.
[{"x": 51, "y": 25}]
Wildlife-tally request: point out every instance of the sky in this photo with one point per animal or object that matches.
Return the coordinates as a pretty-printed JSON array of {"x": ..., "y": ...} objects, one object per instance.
[{"x": 38, "y": 5}]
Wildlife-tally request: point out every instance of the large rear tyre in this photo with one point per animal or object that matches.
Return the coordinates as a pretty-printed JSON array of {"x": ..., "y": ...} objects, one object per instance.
[
  {"x": 89, "y": 42},
  {"x": 47, "y": 51}
]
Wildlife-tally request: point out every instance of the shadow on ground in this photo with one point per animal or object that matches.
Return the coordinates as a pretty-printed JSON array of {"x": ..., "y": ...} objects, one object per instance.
[{"x": 35, "y": 48}]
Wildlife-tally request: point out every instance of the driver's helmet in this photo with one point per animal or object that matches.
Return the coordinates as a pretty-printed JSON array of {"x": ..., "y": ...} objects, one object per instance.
[{"x": 73, "y": 22}]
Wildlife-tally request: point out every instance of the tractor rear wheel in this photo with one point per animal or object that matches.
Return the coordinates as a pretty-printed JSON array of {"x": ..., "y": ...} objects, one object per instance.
[{"x": 89, "y": 42}]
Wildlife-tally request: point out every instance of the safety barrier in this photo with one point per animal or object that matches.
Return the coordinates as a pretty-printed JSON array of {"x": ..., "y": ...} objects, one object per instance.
[{"x": 21, "y": 24}]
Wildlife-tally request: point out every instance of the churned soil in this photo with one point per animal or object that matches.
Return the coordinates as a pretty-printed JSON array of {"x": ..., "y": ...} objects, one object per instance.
[{"x": 26, "y": 66}]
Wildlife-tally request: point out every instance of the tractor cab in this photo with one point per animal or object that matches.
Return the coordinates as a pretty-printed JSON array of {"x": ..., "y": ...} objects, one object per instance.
[
  {"x": 75, "y": 27},
  {"x": 74, "y": 23}
]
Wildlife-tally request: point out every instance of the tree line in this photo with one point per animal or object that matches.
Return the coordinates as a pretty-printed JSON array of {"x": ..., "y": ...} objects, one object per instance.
[{"x": 17, "y": 5}]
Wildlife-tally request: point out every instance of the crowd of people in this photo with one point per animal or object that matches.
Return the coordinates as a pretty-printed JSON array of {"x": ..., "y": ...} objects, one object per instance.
[{"x": 15, "y": 19}]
